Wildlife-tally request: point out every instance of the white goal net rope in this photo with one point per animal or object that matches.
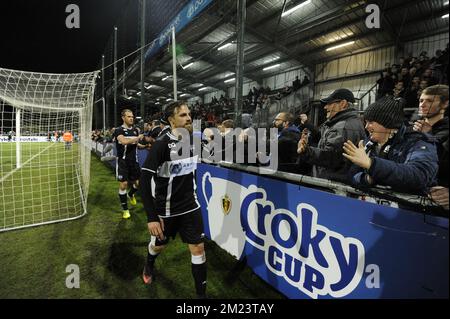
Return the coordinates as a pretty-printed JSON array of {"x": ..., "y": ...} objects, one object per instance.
[{"x": 45, "y": 125}]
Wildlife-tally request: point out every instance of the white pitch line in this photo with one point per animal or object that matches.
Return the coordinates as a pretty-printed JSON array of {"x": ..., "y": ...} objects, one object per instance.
[{"x": 29, "y": 160}]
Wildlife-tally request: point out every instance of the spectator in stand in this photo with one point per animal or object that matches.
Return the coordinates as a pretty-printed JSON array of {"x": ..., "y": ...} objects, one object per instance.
[
  {"x": 415, "y": 81},
  {"x": 405, "y": 77},
  {"x": 436, "y": 57},
  {"x": 412, "y": 61},
  {"x": 399, "y": 90},
  {"x": 385, "y": 84},
  {"x": 394, "y": 73},
  {"x": 255, "y": 92},
  {"x": 296, "y": 84},
  {"x": 305, "y": 81},
  {"x": 422, "y": 86},
  {"x": 278, "y": 96},
  {"x": 287, "y": 90},
  {"x": 432, "y": 108},
  {"x": 342, "y": 124},
  {"x": 419, "y": 67},
  {"x": 428, "y": 76},
  {"x": 394, "y": 154},
  {"x": 246, "y": 121},
  {"x": 229, "y": 150},
  {"x": 423, "y": 57},
  {"x": 408, "y": 60},
  {"x": 442, "y": 66},
  {"x": 265, "y": 106},
  {"x": 403, "y": 63},
  {"x": 288, "y": 137},
  {"x": 211, "y": 118},
  {"x": 411, "y": 94},
  {"x": 412, "y": 72}
]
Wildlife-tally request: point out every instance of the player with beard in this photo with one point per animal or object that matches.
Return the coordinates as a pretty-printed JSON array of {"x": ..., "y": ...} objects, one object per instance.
[{"x": 168, "y": 191}]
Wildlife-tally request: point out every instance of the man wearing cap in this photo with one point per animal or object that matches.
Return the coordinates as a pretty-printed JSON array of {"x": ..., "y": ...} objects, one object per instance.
[
  {"x": 342, "y": 124},
  {"x": 394, "y": 155}
]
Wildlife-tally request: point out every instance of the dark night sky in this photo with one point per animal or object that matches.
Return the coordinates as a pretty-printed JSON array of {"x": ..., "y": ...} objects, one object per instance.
[{"x": 34, "y": 36}]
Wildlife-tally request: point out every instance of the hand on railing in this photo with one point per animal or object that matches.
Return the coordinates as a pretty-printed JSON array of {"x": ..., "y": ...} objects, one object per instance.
[{"x": 439, "y": 195}]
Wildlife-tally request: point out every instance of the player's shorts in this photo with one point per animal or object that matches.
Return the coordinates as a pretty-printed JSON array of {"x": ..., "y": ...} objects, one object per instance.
[
  {"x": 189, "y": 226},
  {"x": 127, "y": 171}
]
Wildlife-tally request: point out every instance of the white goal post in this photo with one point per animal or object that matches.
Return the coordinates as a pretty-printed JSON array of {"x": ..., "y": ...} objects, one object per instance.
[{"x": 45, "y": 127}]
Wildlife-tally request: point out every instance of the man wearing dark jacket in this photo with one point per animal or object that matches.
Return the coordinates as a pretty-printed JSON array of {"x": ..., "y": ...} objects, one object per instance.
[
  {"x": 432, "y": 108},
  {"x": 394, "y": 155},
  {"x": 342, "y": 124},
  {"x": 288, "y": 137}
]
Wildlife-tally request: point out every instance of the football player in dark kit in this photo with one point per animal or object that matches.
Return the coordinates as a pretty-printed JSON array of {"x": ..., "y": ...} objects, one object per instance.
[
  {"x": 168, "y": 191},
  {"x": 127, "y": 138}
]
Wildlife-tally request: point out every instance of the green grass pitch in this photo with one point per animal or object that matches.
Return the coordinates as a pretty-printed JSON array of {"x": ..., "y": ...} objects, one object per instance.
[{"x": 110, "y": 253}]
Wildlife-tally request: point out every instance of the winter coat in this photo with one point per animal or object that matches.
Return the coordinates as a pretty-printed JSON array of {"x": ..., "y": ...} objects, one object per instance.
[
  {"x": 287, "y": 149},
  {"x": 327, "y": 156},
  {"x": 440, "y": 132},
  {"x": 408, "y": 163}
]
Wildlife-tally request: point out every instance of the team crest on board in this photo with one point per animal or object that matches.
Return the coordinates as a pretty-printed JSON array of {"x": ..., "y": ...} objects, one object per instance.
[{"x": 226, "y": 204}]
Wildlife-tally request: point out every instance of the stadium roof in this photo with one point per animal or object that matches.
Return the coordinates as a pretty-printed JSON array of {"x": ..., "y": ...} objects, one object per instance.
[
  {"x": 297, "y": 40},
  {"x": 34, "y": 37}
]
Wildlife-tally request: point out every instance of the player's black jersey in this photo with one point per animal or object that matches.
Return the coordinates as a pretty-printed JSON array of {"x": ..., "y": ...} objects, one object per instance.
[
  {"x": 173, "y": 189},
  {"x": 164, "y": 130},
  {"x": 126, "y": 152},
  {"x": 155, "y": 132}
]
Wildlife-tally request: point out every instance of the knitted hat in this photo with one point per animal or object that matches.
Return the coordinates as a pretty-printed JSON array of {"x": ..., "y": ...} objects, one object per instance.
[{"x": 387, "y": 111}]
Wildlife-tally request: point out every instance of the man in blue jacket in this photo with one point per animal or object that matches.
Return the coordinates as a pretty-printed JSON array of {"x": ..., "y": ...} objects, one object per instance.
[{"x": 394, "y": 155}]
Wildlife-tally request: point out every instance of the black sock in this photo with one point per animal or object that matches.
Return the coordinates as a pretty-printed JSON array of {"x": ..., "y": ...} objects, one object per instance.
[
  {"x": 132, "y": 191},
  {"x": 199, "y": 274},
  {"x": 150, "y": 263},
  {"x": 123, "y": 201}
]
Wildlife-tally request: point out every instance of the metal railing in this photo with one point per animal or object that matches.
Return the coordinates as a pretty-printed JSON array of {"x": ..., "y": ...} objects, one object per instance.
[
  {"x": 382, "y": 195},
  {"x": 292, "y": 103},
  {"x": 367, "y": 97}
]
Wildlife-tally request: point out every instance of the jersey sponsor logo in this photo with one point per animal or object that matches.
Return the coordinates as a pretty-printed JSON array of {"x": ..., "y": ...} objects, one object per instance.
[
  {"x": 175, "y": 169},
  {"x": 310, "y": 257},
  {"x": 178, "y": 168},
  {"x": 183, "y": 167}
]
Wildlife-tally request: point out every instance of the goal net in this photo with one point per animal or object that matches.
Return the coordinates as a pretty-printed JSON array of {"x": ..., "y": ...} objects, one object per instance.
[{"x": 45, "y": 122}]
